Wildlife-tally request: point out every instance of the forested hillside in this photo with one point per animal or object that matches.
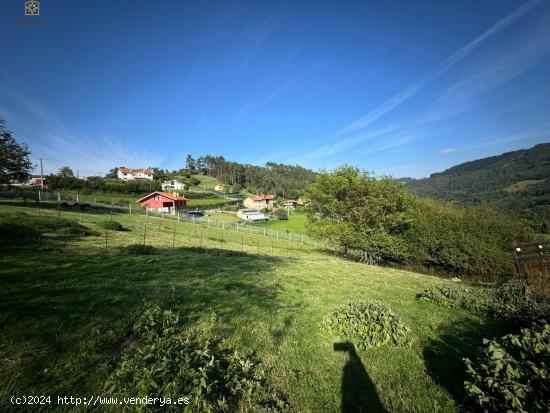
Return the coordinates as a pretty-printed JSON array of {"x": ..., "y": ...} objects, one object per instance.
[
  {"x": 271, "y": 178},
  {"x": 517, "y": 181}
]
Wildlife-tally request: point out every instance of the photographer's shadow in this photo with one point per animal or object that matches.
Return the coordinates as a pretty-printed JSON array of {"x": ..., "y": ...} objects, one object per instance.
[{"x": 358, "y": 391}]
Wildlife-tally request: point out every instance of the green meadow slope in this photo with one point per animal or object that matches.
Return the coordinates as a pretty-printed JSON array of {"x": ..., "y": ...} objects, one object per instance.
[{"x": 67, "y": 303}]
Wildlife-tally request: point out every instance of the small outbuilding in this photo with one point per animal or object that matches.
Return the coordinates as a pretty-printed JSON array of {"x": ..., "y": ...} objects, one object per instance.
[
  {"x": 252, "y": 215},
  {"x": 164, "y": 202}
]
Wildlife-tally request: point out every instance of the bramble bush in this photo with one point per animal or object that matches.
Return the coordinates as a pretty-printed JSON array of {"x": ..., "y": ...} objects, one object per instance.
[
  {"x": 170, "y": 363},
  {"x": 512, "y": 374},
  {"x": 511, "y": 300},
  {"x": 367, "y": 324}
]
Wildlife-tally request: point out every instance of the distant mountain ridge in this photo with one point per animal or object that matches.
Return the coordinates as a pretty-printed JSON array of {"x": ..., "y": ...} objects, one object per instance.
[{"x": 517, "y": 181}]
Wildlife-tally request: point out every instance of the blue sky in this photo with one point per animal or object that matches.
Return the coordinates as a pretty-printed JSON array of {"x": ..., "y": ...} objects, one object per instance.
[{"x": 402, "y": 88}]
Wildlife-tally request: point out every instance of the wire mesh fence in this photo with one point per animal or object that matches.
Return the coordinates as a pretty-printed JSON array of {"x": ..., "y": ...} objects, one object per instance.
[{"x": 167, "y": 231}]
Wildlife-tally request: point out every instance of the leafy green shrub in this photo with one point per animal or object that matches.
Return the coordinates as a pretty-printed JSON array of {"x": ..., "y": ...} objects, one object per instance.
[
  {"x": 112, "y": 225},
  {"x": 140, "y": 249},
  {"x": 475, "y": 299},
  {"x": 154, "y": 323},
  {"x": 512, "y": 374},
  {"x": 168, "y": 363},
  {"x": 517, "y": 300},
  {"x": 512, "y": 300},
  {"x": 367, "y": 324},
  {"x": 281, "y": 215}
]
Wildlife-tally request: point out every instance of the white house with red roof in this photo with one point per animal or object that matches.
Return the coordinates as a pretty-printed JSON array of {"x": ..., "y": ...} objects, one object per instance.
[
  {"x": 127, "y": 174},
  {"x": 164, "y": 202},
  {"x": 260, "y": 202}
]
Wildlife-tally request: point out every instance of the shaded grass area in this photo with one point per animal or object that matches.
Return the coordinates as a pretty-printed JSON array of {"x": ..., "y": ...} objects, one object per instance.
[{"x": 66, "y": 312}]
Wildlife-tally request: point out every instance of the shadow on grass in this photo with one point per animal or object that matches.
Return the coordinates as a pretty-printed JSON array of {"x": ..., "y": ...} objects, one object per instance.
[
  {"x": 51, "y": 303},
  {"x": 443, "y": 356},
  {"x": 358, "y": 391}
]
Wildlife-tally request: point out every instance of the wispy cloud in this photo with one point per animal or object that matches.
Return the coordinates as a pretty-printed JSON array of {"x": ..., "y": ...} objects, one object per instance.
[
  {"x": 439, "y": 70},
  {"x": 47, "y": 135},
  {"x": 357, "y": 132},
  {"x": 447, "y": 151},
  {"x": 275, "y": 86}
]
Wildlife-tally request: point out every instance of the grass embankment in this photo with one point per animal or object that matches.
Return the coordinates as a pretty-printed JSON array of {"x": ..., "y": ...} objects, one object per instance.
[
  {"x": 210, "y": 200},
  {"x": 67, "y": 304}
]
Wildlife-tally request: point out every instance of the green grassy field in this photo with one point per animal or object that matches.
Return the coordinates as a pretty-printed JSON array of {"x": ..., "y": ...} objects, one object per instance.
[
  {"x": 67, "y": 305},
  {"x": 295, "y": 223}
]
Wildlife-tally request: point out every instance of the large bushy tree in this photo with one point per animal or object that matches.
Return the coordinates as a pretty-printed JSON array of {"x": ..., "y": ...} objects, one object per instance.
[
  {"x": 378, "y": 220},
  {"x": 360, "y": 212},
  {"x": 66, "y": 172},
  {"x": 15, "y": 164}
]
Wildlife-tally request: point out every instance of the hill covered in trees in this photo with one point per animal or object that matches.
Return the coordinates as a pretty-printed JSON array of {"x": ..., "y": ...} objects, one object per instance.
[
  {"x": 517, "y": 181},
  {"x": 273, "y": 177}
]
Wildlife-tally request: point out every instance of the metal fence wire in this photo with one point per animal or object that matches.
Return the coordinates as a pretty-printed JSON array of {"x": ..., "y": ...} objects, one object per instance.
[{"x": 83, "y": 201}]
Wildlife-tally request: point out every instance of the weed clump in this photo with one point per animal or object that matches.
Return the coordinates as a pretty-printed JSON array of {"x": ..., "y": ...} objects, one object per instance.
[
  {"x": 112, "y": 225},
  {"x": 512, "y": 300},
  {"x": 512, "y": 373},
  {"x": 140, "y": 249},
  {"x": 368, "y": 324},
  {"x": 171, "y": 363}
]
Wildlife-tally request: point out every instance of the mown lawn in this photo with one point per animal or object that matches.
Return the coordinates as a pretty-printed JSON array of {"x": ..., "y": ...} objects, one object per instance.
[
  {"x": 295, "y": 223},
  {"x": 67, "y": 306}
]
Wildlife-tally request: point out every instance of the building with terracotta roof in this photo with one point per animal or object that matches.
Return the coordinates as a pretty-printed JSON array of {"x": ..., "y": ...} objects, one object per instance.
[
  {"x": 290, "y": 204},
  {"x": 127, "y": 174},
  {"x": 164, "y": 202},
  {"x": 260, "y": 202}
]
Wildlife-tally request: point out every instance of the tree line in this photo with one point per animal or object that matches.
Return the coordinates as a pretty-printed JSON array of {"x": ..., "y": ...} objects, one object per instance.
[
  {"x": 378, "y": 220},
  {"x": 281, "y": 179}
]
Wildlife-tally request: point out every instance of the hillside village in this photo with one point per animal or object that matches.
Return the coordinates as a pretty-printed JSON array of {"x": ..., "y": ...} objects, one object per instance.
[{"x": 171, "y": 199}]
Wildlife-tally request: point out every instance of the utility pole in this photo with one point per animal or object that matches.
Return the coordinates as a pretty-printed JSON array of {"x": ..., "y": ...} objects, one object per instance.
[{"x": 42, "y": 172}]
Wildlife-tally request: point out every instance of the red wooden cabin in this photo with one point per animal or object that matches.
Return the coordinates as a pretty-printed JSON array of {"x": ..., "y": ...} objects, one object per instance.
[{"x": 164, "y": 202}]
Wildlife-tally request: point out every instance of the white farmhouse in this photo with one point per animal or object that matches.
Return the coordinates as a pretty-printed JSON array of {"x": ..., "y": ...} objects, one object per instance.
[
  {"x": 173, "y": 184},
  {"x": 127, "y": 174}
]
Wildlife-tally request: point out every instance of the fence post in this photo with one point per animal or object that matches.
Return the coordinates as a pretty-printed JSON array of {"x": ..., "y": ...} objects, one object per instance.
[
  {"x": 95, "y": 201},
  {"x": 174, "y": 238},
  {"x": 237, "y": 226},
  {"x": 58, "y": 197},
  {"x": 223, "y": 224},
  {"x": 130, "y": 206},
  {"x": 39, "y": 196},
  {"x": 178, "y": 216},
  {"x": 77, "y": 198}
]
